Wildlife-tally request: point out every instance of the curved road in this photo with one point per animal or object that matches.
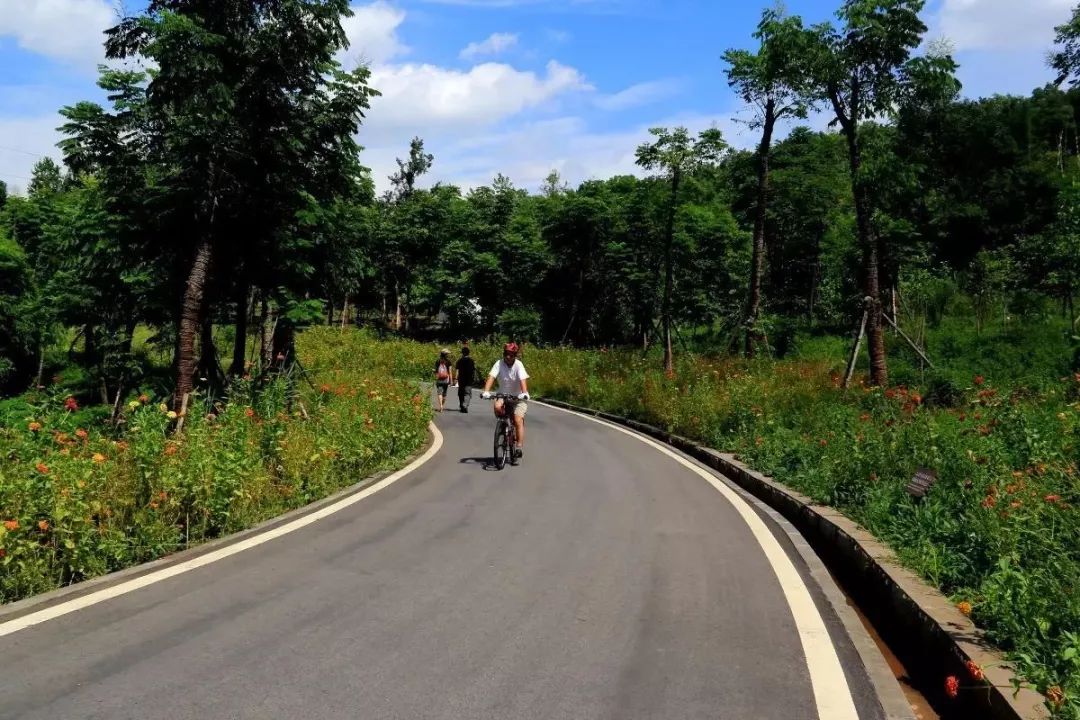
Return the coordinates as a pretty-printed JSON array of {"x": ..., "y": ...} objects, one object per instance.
[{"x": 602, "y": 578}]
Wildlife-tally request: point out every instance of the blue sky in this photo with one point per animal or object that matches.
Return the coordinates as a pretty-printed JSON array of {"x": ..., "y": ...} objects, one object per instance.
[{"x": 517, "y": 86}]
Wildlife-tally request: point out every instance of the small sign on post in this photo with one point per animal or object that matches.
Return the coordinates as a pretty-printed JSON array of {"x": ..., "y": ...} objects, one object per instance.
[{"x": 920, "y": 484}]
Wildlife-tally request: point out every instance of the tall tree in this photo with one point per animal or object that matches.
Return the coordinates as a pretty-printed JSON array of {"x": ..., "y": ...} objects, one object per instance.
[
  {"x": 675, "y": 154},
  {"x": 403, "y": 182},
  {"x": 235, "y": 125},
  {"x": 771, "y": 80},
  {"x": 46, "y": 178},
  {"x": 1065, "y": 61},
  {"x": 865, "y": 69}
]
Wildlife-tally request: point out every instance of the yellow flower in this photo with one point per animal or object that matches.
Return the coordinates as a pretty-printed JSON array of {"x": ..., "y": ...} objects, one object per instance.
[
  {"x": 133, "y": 405},
  {"x": 171, "y": 415},
  {"x": 99, "y": 458},
  {"x": 163, "y": 407}
]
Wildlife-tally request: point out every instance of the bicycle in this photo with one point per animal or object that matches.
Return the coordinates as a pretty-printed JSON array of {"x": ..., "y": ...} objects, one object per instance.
[{"x": 505, "y": 434}]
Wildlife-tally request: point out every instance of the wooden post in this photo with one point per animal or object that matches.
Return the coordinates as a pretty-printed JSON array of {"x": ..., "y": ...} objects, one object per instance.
[
  {"x": 910, "y": 342},
  {"x": 183, "y": 412},
  {"x": 857, "y": 343}
]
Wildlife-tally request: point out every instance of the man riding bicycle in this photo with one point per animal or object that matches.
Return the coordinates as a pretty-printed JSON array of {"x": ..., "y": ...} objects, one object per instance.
[{"x": 512, "y": 377}]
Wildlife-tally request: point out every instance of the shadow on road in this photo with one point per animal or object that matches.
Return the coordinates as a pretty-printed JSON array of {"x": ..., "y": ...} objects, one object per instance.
[{"x": 485, "y": 462}]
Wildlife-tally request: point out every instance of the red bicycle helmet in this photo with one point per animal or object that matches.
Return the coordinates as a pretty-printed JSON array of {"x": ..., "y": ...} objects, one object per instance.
[{"x": 510, "y": 348}]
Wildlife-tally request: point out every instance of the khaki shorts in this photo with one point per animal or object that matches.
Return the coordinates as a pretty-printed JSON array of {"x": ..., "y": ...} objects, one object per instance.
[{"x": 520, "y": 407}]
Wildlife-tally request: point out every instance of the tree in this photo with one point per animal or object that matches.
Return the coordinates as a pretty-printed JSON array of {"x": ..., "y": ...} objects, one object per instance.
[
  {"x": 46, "y": 178},
  {"x": 403, "y": 182},
  {"x": 772, "y": 82},
  {"x": 1066, "y": 60},
  {"x": 675, "y": 155},
  {"x": 241, "y": 137},
  {"x": 865, "y": 70}
]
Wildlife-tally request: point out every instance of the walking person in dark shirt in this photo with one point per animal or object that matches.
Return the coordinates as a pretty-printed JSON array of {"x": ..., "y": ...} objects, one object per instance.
[{"x": 466, "y": 376}]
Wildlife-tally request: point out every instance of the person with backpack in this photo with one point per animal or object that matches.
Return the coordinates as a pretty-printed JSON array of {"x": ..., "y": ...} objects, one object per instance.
[
  {"x": 444, "y": 376},
  {"x": 466, "y": 376}
]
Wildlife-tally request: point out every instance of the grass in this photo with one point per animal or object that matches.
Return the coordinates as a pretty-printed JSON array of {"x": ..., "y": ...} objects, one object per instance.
[
  {"x": 999, "y": 532},
  {"x": 79, "y": 498}
]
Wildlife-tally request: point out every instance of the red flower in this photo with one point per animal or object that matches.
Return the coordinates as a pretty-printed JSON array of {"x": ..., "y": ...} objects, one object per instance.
[
  {"x": 1053, "y": 498},
  {"x": 71, "y": 405},
  {"x": 989, "y": 502},
  {"x": 823, "y": 442},
  {"x": 952, "y": 686},
  {"x": 979, "y": 379},
  {"x": 42, "y": 468},
  {"x": 81, "y": 434},
  {"x": 865, "y": 417},
  {"x": 249, "y": 412},
  {"x": 3, "y": 553},
  {"x": 975, "y": 671}
]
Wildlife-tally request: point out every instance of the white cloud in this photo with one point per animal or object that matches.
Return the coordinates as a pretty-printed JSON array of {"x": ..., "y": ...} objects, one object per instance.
[
  {"x": 641, "y": 94},
  {"x": 372, "y": 34},
  {"x": 66, "y": 30},
  {"x": 1001, "y": 24},
  {"x": 493, "y": 45},
  {"x": 428, "y": 98}
]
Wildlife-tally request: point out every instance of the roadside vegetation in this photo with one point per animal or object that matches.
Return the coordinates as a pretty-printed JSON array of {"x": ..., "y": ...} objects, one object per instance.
[{"x": 165, "y": 381}]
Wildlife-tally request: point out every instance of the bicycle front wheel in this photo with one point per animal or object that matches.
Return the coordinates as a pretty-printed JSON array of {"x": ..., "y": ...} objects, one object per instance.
[{"x": 502, "y": 449}]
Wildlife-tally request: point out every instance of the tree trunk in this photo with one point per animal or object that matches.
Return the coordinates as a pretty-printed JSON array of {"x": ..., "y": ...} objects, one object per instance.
[
  {"x": 190, "y": 317},
  {"x": 879, "y": 371},
  {"x": 669, "y": 273},
  {"x": 268, "y": 326},
  {"x": 240, "y": 343},
  {"x": 397, "y": 306},
  {"x": 757, "y": 262}
]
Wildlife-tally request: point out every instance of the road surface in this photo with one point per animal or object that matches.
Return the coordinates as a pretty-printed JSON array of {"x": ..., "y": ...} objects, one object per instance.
[{"x": 602, "y": 578}]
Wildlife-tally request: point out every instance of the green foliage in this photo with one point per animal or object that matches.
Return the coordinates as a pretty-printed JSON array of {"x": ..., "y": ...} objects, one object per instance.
[{"x": 79, "y": 499}]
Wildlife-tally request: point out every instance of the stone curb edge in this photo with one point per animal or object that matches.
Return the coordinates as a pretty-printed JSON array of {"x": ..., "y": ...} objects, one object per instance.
[
  {"x": 927, "y": 633},
  {"x": 34, "y": 603}
]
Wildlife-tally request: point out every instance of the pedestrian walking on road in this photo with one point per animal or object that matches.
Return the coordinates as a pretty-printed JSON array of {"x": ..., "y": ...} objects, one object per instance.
[
  {"x": 444, "y": 376},
  {"x": 466, "y": 376}
]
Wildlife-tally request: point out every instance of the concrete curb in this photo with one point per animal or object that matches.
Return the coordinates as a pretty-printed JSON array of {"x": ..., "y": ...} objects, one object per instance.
[
  {"x": 927, "y": 633},
  {"x": 35, "y": 603}
]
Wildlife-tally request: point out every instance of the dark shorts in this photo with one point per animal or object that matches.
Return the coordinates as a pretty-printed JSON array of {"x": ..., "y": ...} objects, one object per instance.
[{"x": 442, "y": 387}]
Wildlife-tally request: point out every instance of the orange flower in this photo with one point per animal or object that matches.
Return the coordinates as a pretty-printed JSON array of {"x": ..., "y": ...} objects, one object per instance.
[
  {"x": 1016, "y": 503},
  {"x": 99, "y": 458},
  {"x": 979, "y": 379},
  {"x": 144, "y": 399},
  {"x": 42, "y": 468},
  {"x": 11, "y": 525},
  {"x": 989, "y": 502},
  {"x": 964, "y": 606},
  {"x": 1053, "y": 498},
  {"x": 170, "y": 449},
  {"x": 865, "y": 417},
  {"x": 249, "y": 412},
  {"x": 121, "y": 445},
  {"x": 952, "y": 686},
  {"x": 81, "y": 434},
  {"x": 916, "y": 398},
  {"x": 43, "y": 525},
  {"x": 153, "y": 505},
  {"x": 974, "y": 670},
  {"x": 1056, "y": 696},
  {"x": 823, "y": 442},
  {"x": 3, "y": 553},
  {"x": 34, "y": 426}
]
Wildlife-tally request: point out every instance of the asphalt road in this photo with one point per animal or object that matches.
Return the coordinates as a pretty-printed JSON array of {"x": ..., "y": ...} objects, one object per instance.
[{"x": 599, "y": 579}]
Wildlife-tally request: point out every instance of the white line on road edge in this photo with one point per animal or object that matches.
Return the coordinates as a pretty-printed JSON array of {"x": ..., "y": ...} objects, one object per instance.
[
  {"x": 831, "y": 691},
  {"x": 55, "y": 611}
]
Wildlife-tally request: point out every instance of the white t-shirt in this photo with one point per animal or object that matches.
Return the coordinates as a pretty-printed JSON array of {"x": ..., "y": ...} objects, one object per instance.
[{"x": 509, "y": 378}]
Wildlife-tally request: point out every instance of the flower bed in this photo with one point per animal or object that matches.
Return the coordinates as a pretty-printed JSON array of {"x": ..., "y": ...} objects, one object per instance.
[{"x": 79, "y": 499}]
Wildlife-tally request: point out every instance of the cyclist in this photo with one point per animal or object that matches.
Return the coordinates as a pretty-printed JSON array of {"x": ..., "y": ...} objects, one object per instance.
[{"x": 512, "y": 378}]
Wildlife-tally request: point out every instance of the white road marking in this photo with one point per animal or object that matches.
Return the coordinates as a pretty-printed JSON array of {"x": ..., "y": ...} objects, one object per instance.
[
  {"x": 63, "y": 608},
  {"x": 831, "y": 691}
]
